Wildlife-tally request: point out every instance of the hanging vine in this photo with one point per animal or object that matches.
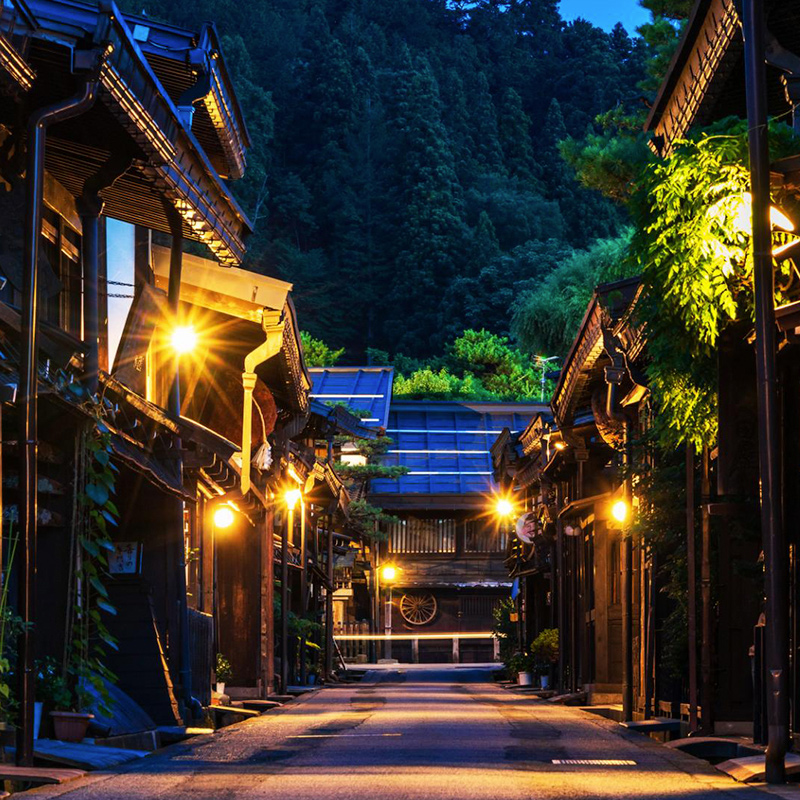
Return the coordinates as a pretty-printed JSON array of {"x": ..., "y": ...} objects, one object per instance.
[
  {"x": 691, "y": 244},
  {"x": 88, "y": 637}
]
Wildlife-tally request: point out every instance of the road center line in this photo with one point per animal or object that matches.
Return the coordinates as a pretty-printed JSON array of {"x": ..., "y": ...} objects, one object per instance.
[{"x": 340, "y": 735}]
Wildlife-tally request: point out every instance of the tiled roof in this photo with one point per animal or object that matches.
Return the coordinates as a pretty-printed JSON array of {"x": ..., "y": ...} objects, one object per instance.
[
  {"x": 446, "y": 445},
  {"x": 360, "y": 388}
]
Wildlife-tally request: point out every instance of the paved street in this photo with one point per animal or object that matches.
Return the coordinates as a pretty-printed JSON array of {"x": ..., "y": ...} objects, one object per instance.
[{"x": 416, "y": 733}]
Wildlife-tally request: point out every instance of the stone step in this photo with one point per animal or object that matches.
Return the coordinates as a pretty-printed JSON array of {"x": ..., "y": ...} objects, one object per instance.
[
  {"x": 656, "y": 725},
  {"x": 39, "y": 775},
  {"x": 716, "y": 747},
  {"x": 752, "y": 769},
  {"x": 170, "y": 734},
  {"x": 260, "y": 706},
  {"x": 230, "y": 715}
]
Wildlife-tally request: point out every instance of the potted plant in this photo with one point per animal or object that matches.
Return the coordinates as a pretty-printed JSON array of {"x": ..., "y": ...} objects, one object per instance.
[
  {"x": 69, "y": 721},
  {"x": 52, "y": 690},
  {"x": 505, "y": 630},
  {"x": 544, "y": 652},
  {"x": 67, "y": 704},
  {"x": 522, "y": 664},
  {"x": 223, "y": 673}
]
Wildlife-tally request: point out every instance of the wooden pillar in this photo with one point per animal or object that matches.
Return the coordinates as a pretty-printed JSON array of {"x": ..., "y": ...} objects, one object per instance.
[
  {"x": 329, "y": 600},
  {"x": 268, "y": 604},
  {"x": 691, "y": 568}
]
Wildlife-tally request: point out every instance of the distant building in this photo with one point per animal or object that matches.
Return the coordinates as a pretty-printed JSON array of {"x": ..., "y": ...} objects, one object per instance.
[{"x": 448, "y": 546}]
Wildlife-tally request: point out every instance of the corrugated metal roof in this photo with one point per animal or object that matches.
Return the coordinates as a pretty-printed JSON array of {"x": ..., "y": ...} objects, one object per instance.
[
  {"x": 360, "y": 388},
  {"x": 447, "y": 445}
]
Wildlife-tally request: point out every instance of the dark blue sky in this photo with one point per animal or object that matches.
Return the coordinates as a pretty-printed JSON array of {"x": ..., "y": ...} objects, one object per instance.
[{"x": 606, "y": 13}]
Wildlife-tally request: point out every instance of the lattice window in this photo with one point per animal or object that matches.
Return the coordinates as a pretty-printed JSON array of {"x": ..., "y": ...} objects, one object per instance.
[
  {"x": 478, "y": 606},
  {"x": 417, "y": 536},
  {"x": 481, "y": 536}
]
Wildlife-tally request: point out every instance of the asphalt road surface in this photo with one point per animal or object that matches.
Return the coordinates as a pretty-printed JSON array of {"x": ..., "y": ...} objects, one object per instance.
[{"x": 440, "y": 734}]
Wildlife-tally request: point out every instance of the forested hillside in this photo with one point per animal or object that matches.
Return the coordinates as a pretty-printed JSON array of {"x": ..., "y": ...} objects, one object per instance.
[{"x": 405, "y": 173}]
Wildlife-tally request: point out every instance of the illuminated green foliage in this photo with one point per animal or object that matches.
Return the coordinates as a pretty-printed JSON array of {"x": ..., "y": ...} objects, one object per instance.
[
  {"x": 478, "y": 365},
  {"x": 318, "y": 354},
  {"x": 690, "y": 246}
]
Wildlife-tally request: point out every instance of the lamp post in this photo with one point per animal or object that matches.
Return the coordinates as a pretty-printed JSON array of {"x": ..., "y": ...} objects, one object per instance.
[
  {"x": 620, "y": 513},
  {"x": 388, "y": 576},
  {"x": 292, "y": 497},
  {"x": 504, "y": 510},
  {"x": 222, "y": 518}
]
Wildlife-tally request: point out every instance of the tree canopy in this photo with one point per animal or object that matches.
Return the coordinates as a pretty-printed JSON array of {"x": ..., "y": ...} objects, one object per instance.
[{"x": 405, "y": 172}]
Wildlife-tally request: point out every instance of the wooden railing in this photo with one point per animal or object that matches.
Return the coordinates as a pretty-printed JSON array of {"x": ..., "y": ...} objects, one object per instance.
[{"x": 355, "y": 640}]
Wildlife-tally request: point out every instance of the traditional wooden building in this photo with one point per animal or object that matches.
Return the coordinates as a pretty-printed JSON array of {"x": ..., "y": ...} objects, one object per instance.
[
  {"x": 105, "y": 115},
  {"x": 705, "y": 83},
  {"x": 566, "y": 470},
  {"x": 448, "y": 545}
]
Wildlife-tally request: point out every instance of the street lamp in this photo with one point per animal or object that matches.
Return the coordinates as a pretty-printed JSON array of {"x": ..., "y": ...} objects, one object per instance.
[
  {"x": 389, "y": 574},
  {"x": 503, "y": 507},
  {"x": 184, "y": 339},
  {"x": 620, "y": 511},
  {"x": 291, "y": 497},
  {"x": 224, "y": 516}
]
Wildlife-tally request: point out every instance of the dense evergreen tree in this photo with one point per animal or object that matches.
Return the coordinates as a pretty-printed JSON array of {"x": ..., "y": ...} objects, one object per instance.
[{"x": 405, "y": 173}]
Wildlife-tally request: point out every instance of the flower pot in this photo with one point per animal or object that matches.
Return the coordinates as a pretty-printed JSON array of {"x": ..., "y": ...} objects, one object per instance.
[
  {"x": 525, "y": 678},
  {"x": 545, "y": 681},
  {"x": 37, "y": 719},
  {"x": 70, "y": 726},
  {"x": 220, "y": 687}
]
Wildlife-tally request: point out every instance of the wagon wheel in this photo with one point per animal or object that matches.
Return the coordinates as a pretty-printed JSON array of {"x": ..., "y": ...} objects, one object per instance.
[{"x": 418, "y": 609}]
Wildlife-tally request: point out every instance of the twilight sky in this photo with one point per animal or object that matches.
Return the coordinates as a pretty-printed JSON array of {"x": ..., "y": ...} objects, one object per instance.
[{"x": 606, "y": 13}]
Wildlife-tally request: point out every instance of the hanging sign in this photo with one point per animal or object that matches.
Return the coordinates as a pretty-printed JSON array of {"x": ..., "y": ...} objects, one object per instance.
[{"x": 526, "y": 527}]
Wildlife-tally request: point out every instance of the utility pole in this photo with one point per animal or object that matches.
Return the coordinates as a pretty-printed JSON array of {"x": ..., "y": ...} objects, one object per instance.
[
  {"x": 774, "y": 542},
  {"x": 542, "y": 362}
]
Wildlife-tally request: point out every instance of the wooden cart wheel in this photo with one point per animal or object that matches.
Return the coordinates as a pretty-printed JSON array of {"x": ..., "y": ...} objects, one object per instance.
[{"x": 418, "y": 609}]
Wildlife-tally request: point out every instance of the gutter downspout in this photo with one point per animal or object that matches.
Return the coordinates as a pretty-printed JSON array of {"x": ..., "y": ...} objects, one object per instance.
[
  {"x": 272, "y": 323},
  {"x": 90, "y": 208},
  {"x": 74, "y": 106},
  {"x": 174, "y": 406},
  {"x": 614, "y": 376}
]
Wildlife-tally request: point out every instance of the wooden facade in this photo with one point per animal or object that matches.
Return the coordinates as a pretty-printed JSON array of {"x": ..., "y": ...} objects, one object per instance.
[
  {"x": 566, "y": 470},
  {"x": 705, "y": 83},
  {"x": 448, "y": 545},
  {"x": 148, "y": 146}
]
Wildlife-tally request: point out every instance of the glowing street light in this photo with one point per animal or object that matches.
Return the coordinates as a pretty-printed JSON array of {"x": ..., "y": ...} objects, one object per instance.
[
  {"x": 389, "y": 573},
  {"x": 620, "y": 511},
  {"x": 292, "y": 497},
  {"x": 224, "y": 516},
  {"x": 503, "y": 507},
  {"x": 740, "y": 207},
  {"x": 184, "y": 339}
]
